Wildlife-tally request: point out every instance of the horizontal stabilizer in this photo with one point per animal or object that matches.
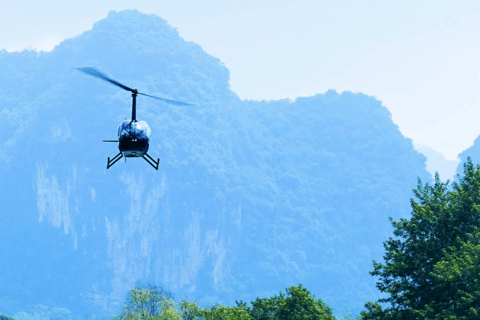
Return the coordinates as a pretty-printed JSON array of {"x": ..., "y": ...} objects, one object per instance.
[{"x": 110, "y": 140}]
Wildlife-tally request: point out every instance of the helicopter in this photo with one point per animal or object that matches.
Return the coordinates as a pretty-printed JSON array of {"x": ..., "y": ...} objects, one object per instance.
[{"x": 133, "y": 135}]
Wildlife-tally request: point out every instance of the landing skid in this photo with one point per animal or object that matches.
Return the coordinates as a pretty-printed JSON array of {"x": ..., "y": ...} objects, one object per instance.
[
  {"x": 114, "y": 160},
  {"x": 151, "y": 161},
  {"x": 154, "y": 163}
]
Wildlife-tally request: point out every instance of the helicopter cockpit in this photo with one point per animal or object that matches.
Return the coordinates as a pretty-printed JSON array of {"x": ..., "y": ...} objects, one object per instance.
[
  {"x": 134, "y": 128},
  {"x": 133, "y": 138}
]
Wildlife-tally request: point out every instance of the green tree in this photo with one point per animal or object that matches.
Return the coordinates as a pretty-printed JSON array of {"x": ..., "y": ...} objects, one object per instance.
[
  {"x": 430, "y": 268},
  {"x": 191, "y": 311},
  {"x": 458, "y": 277},
  {"x": 297, "y": 303},
  {"x": 149, "y": 303},
  {"x": 265, "y": 308},
  {"x": 5, "y": 317}
]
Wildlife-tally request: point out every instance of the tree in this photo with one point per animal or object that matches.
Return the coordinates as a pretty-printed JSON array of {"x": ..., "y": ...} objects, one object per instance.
[
  {"x": 297, "y": 303},
  {"x": 5, "y": 317},
  {"x": 458, "y": 275},
  {"x": 149, "y": 302},
  {"x": 430, "y": 268},
  {"x": 191, "y": 311}
]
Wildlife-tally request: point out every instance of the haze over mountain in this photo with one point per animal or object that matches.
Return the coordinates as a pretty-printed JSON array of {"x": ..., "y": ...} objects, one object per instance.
[
  {"x": 472, "y": 152},
  {"x": 436, "y": 162},
  {"x": 250, "y": 197}
]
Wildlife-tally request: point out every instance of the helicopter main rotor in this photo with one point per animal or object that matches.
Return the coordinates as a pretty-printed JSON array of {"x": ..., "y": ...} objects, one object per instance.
[{"x": 98, "y": 74}]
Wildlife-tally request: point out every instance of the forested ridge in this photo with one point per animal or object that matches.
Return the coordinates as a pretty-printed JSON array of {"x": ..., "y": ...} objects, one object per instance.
[{"x": 251, "y": 196}]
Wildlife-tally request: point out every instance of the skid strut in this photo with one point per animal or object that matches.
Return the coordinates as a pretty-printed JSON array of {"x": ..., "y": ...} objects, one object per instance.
[
  {"x": 151, "y": 161},
  {"x": 114, "y": 160}
]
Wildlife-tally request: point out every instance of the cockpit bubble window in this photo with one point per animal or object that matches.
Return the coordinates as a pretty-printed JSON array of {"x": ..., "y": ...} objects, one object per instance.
[{"x": 139, "y": 129}]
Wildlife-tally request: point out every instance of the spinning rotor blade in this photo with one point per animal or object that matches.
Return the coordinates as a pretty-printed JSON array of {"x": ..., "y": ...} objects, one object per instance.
[
  {"x": 94, "y": 72},
  {"x": 174, "y": 102}
]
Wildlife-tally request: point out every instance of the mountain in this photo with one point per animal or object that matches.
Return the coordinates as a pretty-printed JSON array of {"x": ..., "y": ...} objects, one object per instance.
[
  {"x": 436, "y": 162},
  {"x": 472, "y": 152},
  {"x": 250, "y": 198}
]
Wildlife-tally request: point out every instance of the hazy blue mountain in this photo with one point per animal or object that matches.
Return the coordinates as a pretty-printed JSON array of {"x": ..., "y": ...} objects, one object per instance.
[
  {"x": 250, "y": 197},
  {"x": 472, "y": 152},
  {"x": 436, "y": 162}
]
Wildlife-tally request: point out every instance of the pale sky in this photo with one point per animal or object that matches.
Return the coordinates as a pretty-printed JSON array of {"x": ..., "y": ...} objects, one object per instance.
[{"x": 420, "y": 58}]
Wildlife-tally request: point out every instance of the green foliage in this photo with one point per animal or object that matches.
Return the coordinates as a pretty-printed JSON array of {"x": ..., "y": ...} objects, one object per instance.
[
  {"x": 5, "y": 317},
  {"x": 152, "y": 303},
  {"x": 297, "y": 303},
  {"x": 191, "y": 311},
  {"x": 458, "y": 277},
  {"x": 149, "y": 303},
  {"x": 431, "y": 268}
]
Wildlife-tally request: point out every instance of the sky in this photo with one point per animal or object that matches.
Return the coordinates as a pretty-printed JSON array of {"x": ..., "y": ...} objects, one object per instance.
[{"x": 420, "y": 58}]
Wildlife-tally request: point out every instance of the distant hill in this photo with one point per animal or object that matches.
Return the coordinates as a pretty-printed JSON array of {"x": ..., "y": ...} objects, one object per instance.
[
  {"x": 250, "y": 198},
  {"x": 436, "y": 162},
  {"x": 472, "y": 152}
]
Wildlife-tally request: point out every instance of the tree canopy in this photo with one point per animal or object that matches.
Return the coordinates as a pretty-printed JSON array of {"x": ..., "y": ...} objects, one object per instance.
[
  {"x": 149, "y": 302},
  {"x": 297, "y": 304},
  {"x": 431, "y": 268},
  {"x": 5, "y": 317},
  {"x": 152, "y": 303}
]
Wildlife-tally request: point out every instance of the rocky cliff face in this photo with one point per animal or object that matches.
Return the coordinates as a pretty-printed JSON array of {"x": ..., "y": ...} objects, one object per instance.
[{"x": 250, "y": 197}]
